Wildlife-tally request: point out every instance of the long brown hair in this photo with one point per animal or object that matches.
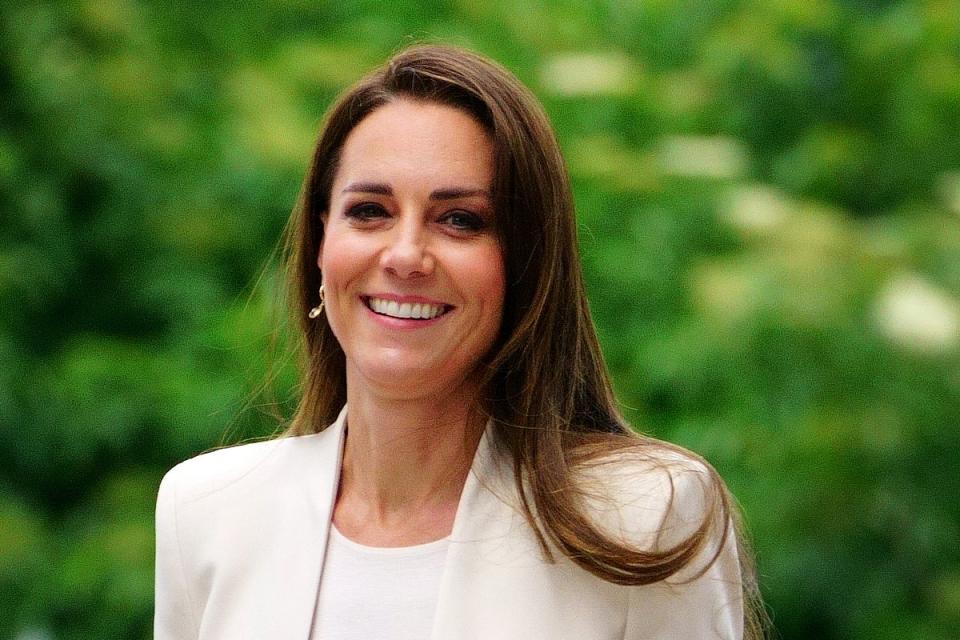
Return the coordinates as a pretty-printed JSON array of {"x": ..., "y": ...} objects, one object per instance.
[{"x": 544, "y": 384}]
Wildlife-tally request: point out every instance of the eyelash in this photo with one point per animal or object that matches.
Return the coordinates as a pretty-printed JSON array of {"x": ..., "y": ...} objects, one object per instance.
[
  {"x": 468, "y": 221},
  {"x": 366, "y": 211},
  {"x": 472, "y": 222}
]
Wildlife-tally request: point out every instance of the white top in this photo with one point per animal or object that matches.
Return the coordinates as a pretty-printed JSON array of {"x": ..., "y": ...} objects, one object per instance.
[{"x": 378, "y": 593}]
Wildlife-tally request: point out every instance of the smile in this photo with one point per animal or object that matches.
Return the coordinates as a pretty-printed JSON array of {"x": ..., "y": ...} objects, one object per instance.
[{"x": 406, "y": 310}]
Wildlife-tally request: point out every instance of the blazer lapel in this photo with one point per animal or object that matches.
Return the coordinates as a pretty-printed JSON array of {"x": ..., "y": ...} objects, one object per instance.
[
  {"x": 496, "y": 583},
  {"x": 487, "y": 531},
  {"x": 295, "y": 554}
]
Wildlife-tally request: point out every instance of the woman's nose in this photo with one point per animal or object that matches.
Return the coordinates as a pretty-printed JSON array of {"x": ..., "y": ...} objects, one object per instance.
[{"x": 407, "y": 254}]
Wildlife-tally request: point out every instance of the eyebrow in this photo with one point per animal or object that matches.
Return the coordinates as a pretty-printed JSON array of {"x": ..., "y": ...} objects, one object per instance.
[{"x": 444, "y": 193}]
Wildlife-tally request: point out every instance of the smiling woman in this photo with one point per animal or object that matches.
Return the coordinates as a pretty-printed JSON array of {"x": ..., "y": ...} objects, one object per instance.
[{"x": 457, "y": 466}]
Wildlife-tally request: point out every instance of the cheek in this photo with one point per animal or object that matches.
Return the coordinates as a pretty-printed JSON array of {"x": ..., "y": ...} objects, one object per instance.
[
  {"x": 490, "y": 277},
  {"x": 337, "y": 257},
  {"x": 498, "y": 286},
  {"x": 337, "y": 263},
  {"x": 323, "y": 238}
]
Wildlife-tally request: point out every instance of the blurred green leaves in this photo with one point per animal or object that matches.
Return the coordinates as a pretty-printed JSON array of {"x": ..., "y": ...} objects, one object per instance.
[{"x": 768, "y": 198}]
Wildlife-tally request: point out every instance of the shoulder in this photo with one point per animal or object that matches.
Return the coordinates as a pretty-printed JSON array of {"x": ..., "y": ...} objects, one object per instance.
[
  {"x": 257, "y": 478},
  {"x": 238, "y": 467},
  {"x": 214, "y": 495},
  {"x": 649, "y": 494},
  {"x": 659, "y": 498},
  {"x": 669, "y": 505}
]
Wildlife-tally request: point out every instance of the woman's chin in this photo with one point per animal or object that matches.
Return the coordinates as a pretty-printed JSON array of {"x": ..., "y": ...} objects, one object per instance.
[{"x": 401, "y": 378}]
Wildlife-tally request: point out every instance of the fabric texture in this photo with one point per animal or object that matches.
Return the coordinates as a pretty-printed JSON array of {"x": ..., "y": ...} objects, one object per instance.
[
  {"x": 242, "y": 532},
  {"x": 378, "y": 592}
]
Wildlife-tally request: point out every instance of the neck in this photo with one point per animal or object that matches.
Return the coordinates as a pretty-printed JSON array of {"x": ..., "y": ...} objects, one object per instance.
[{"x": 405, "y": 463}]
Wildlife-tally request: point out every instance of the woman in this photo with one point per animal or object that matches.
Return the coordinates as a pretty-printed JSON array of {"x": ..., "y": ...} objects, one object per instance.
[{"x": 457, "y": 467}]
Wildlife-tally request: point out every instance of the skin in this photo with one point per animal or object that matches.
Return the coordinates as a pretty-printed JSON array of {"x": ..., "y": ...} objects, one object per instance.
[{"x": 410, "y": 220}]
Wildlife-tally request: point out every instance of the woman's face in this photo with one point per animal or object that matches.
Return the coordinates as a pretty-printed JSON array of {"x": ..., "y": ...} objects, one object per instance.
[{"x": 412, "y": 269}]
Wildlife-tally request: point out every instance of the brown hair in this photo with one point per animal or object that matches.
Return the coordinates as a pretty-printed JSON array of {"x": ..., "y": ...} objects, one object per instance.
[{"x": 545, "y": 385}]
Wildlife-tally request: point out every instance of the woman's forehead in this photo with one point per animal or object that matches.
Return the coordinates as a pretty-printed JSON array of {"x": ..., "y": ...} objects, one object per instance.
[{"x": 408, "y": 140}]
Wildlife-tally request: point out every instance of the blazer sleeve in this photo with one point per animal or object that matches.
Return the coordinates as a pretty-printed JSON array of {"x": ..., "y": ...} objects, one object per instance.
[
  {"x": 174, "y": 615},
  {"x": 704, "y": 600}
]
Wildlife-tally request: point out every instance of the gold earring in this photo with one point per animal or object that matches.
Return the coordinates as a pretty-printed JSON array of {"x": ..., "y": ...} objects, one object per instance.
[{"x": 317, "y": 310}]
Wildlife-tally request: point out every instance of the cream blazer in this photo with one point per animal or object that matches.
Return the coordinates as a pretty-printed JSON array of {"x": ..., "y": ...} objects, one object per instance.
[{"x": 241, "y": 534}]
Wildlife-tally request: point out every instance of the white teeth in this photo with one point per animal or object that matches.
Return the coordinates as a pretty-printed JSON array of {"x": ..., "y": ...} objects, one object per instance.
[{"x": 417, "y": 310}]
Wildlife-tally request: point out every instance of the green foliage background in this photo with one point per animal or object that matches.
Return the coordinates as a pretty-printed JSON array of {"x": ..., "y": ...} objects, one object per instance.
[{"x": 769, "y": 202}]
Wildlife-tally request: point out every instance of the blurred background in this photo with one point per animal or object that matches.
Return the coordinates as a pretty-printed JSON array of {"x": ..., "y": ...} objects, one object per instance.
[{"x": 768, "y": 195}]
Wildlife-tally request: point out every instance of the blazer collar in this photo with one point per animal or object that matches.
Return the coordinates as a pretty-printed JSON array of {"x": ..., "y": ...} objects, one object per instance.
[{"x": 301, "y": 549}]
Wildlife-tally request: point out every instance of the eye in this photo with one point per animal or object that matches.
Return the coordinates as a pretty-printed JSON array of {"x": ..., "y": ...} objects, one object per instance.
[
  {"x": 463, "y": 220},
  {"x": 366, "y": 211}
]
